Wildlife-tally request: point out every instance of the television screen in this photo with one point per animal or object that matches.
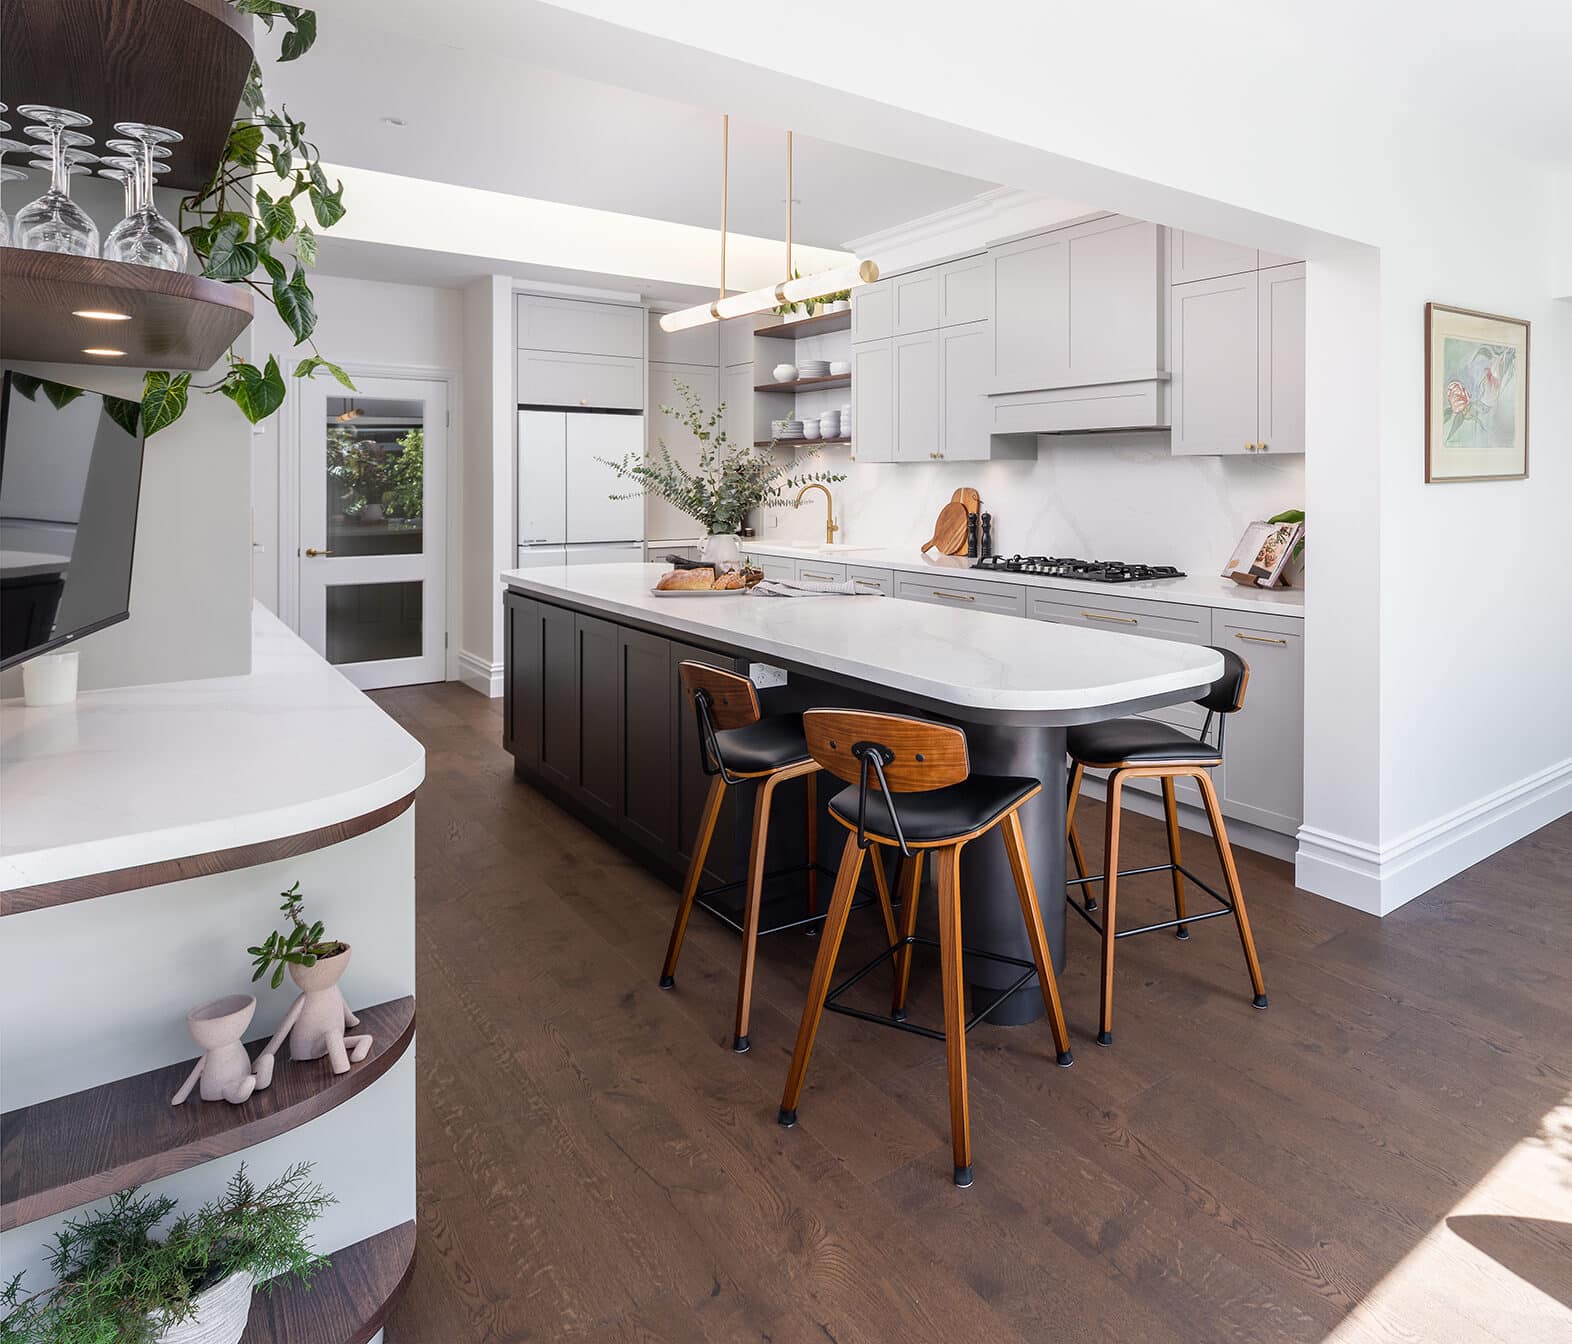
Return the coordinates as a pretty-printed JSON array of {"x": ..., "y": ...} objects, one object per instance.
[{"x": 70, "y": 474}]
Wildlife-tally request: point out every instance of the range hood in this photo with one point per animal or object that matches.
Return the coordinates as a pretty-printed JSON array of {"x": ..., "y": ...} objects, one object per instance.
[{"x": 1139, "y": 402}]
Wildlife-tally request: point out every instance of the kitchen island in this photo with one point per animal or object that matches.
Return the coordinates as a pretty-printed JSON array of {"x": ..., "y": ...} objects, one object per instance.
[{"x": 592, "y": 712}]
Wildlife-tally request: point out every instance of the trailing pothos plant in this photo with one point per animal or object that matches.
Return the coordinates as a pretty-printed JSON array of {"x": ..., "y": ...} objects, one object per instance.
[{"x": 243, "y": 233}]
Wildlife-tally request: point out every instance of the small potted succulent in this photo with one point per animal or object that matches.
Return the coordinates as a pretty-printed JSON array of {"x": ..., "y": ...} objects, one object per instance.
[{"x": 119, "y": 1281}]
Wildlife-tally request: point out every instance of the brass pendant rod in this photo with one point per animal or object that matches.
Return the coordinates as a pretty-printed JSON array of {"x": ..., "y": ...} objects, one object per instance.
[
  {"x": 788, "y": 203},
  {"x": 725, "y": 172}
]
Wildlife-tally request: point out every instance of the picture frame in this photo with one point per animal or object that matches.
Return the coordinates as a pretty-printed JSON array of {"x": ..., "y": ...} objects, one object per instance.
[{"x": 1476, "y": 396}]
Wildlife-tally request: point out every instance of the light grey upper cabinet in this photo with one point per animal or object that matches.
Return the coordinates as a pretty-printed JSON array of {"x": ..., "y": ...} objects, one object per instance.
[
  {"x": 916, "y": 301},
  {"x": 1194, "y": 256},
  {"x": 1280, "y": 335},
  {"x": 696, "y": 345},
  {"x": 736, "y": 390},
  {"x": 1214, "y": 403},
  {"x": 1079, "y": 306},
  {"x": 1263, "y": 774},
  {"x": 873, "y": 401},
  {"x": 916, "y": 397},
  {"x": 964, "y": 291},
  {"x": 966, "y": 365},
  {"x": 873, "y": 311},
  {"x": 736, "y": 341},
  {"x": 662, "y": 520},
  {"x": 575, "y": 326},
  {"x": 554, "y": 378}
]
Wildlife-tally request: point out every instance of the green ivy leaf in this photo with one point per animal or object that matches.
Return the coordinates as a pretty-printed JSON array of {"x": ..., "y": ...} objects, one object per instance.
[
  {"x": 281, "y": 158},
  {"x": 296, "y": 304},
  {"x": 272, "y": 265},
  {"x": 125, "y": 413},
  {"x": 307, "y": 368},
  {"x": 278, "y": 217},
  {"x": 60, "y": 394},
  {"x": 26, "y": 384},
  {"x": 258, "y": 392},
  {"x": 298, "y": 42},
  {"x": 306, "y": 246},
  {"x": 244, "y": 141},
  {"x": 328, "y": 206},
  {"x": 163, "y": 400},
  {"x": 229, "y": 257}
]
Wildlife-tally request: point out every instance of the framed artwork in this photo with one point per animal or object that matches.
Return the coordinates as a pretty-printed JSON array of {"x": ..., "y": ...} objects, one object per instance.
[{"x": 1476, "y": 396}]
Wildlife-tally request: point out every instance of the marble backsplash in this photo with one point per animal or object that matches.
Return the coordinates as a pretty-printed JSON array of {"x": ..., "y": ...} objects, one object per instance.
[{"x": 1097, "y": 496}]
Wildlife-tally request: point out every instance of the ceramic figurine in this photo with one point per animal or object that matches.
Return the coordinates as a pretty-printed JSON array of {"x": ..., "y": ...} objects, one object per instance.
[
  {"x": 225, "y": 1068},
  {"x": 316, "y": 1021}
]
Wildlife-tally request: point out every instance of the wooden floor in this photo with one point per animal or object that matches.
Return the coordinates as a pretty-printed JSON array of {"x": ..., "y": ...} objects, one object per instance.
[{"x": 1384, "y": 1154}]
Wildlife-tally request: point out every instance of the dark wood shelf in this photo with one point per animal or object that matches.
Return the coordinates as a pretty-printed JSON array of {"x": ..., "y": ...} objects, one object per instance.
[
  {"x": 774, "y": 443},
  {"x": 806, "y": 384},
  {"x": 177, "y": 321},
  {"x": 346, "y": 1303},
  {"x": 70, "y": 1150},
  {"x": 175, "y": 63},
  {"x": 807, "y": 326}
]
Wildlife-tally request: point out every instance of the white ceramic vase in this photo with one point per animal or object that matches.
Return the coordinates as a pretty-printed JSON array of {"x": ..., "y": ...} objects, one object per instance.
[
  {"x": 220, "y": 1317},
  {"x": 721, "y": 549}
]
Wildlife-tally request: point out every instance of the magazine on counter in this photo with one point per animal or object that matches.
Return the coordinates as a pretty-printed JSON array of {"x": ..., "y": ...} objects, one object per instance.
[{"x": 1263, "y": 553}]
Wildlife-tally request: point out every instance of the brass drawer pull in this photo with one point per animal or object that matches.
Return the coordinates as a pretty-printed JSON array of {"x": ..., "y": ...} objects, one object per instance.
[
  {"x": 870, "y": 583},
  {"x": 958, "y": 597},
  {"x": 1098, "y": 616},
  {"x": 810, "y": 574},
  {"x": 1261, "y": 639}
]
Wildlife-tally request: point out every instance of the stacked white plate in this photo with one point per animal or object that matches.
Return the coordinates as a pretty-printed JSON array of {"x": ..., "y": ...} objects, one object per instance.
[
  {"x": 813, "y": 368},
  {"x": 786, "y": 429}
]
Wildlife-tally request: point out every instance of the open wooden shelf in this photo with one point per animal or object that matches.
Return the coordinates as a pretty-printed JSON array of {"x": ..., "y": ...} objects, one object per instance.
[
  {"x": 177, "y": 321},
  {"x": 806, "y": 384},
  {"x": 783, "y": 443},
  {"x": 346, "y": 1303},
  {"x": 175, "y": 63},
  {"x": 70, "y": 1150},
  {"x": 807, "y": 326}
]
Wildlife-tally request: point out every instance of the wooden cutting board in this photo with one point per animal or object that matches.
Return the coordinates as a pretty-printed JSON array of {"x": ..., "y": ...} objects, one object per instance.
[
  {"x": 969, "y": 497},
  {"x": 949, "y": 530}
]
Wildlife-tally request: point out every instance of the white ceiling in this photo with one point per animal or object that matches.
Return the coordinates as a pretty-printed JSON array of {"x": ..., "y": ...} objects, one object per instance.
[{"x": 481, "y": 120}]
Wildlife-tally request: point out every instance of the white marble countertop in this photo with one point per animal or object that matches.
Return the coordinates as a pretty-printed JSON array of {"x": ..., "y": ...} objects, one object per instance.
[
  {"x": 148, "y": 773},
  {"x": 1194, "y": 590},
  {"x": 21, "y": 564},
  {"x": 971, "y": 659}
]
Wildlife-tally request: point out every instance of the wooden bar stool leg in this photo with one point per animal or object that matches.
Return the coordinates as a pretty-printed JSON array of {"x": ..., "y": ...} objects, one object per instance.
[
  {"x": 819, "y": 982},
  {"x": 1225, "y": 856},
  {"x": 954, "y": 981},
  {"x": 753, "y": 900},
  {"x": 882, "y": 886},
  {"x": 690, "y": 886},
  {"x": 1171, "y": 810},
  {"x": 812, "y": 839},
  {"x": 911, "y": 884},
  {"x": 1031, "y": 912},
  {"x": 1110, "y": 902},
  {"x": 1088, "y": 901}
]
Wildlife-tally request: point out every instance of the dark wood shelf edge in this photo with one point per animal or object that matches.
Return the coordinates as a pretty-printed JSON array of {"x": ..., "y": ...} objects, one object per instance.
[
  {"x": 122, "y": 1101},
  {"x": 345, "y": 1304},
  {"x": 20, "y": 900},
  {"x": 829, "y": 380},
  {"x": 791, "y": 443},
  {"x": 807, "y": 326}
]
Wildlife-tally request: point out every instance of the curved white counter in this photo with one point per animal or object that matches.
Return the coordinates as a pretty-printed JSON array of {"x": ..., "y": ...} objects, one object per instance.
[{"x": 148, "y": 774}]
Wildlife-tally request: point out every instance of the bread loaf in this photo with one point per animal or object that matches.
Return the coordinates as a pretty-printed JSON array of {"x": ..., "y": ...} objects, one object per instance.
[
  {"x": 685, "y": 580},
  {"x": 731, "y": 579}
]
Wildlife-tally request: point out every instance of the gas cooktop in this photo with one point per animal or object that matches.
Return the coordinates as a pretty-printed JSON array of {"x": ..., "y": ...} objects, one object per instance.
[{"x": 1092, "y": 571}]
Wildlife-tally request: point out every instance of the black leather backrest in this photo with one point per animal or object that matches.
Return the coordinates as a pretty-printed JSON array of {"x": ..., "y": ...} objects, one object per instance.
[{"x": 1228, "y": 691}]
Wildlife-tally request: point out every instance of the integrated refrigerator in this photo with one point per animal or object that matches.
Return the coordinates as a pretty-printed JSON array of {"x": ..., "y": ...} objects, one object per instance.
[{"x": 566, "y": 513}]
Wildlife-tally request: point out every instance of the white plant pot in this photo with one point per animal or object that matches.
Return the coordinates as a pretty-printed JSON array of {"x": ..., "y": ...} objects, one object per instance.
[
  {"x": 221, "y": 1315},
  {"x": 50, "y": 679},
  {"x": 721, "y": 549}
]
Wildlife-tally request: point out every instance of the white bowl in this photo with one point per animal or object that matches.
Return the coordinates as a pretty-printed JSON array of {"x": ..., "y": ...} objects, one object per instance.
[
  {"x": 810, "y": 430},
  {"x": 785, "y": 373},
  {"x": 840, "y": 366}
]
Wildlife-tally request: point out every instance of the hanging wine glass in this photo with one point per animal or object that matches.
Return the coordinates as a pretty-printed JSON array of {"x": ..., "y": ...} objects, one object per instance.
[
  {"x": 8, "y": 174},
  {"x": 54, "y": 222},
  {"x": 123, "y": 169},
  {"x": 145, "y": 237}
]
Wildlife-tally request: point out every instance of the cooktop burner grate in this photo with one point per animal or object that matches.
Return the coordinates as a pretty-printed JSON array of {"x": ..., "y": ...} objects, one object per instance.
[{"x": 1063, "y": 567}]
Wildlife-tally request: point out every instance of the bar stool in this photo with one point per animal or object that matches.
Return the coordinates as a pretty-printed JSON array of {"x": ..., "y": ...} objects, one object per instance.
[
  {"x": 738, "y": 744},
  {"x": 1139, "y": 748},
  {"x": 943, "y": 808}
]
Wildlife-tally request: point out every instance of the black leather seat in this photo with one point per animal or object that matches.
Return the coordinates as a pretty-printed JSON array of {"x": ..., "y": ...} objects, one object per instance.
[
  {"x": 938, "y": 815},
  {"x": 770, "y": 744},
  {"x": 1137, "y": 742}
]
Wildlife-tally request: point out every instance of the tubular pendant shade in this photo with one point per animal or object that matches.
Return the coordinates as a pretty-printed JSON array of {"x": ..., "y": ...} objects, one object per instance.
[{"x": 760, "y": 300}]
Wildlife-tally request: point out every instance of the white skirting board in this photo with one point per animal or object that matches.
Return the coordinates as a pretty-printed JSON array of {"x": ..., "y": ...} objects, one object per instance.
[
  {"x": 479, "y": 674},
  {"x": 1380, "y": 880}
]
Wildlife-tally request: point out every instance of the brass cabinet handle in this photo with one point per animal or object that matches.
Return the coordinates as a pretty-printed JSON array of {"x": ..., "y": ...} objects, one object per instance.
[
  {"x": 1261, "y": 639},
  {"x": 1262, "y": 447},
  {"x": 870, "y": 583},
  {"x": 312, "y": 551},
  {"x": 957, "y": 597},
  {"x": 1098, "y": 616},
  {"x": 809, "y": 574}
]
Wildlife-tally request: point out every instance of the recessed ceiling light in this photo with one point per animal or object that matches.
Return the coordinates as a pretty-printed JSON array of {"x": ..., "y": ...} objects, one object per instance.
[
  {"x": 394, "y": 121},
  {"x": 101, "y": 350},
  {"x": 101, "y": 314}
]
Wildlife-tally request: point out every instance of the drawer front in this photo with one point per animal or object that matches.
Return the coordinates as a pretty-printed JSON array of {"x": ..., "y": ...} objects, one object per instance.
[
  {"x": 1059, "y": 410},
  {"x": 1008, "y": 599},
  {"x": 655, "y": 553},
  {"x": 550, "y": 378},
  {"x": 575, "y": 327},
  {"x": 916, "y": 302},
  {"x": 865, "y": 577},
  {"x": 820, "y": 571},
  {"x": 965, "y": 291},
  {"x": 1264, "y": 777},
  {"x": 1126, "y": 615},
  {"x": 775, "y": 568}
]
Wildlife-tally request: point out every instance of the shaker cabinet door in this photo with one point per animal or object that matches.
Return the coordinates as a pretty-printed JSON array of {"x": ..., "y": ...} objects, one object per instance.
[
  {"x": 916, "y": 397},
  {"x": 873, "y": 402},
  {"x": 1214, "y": 356},
  {"x": 1263, "y": 746},
  {"x": 966, "y": 366},
  {"x": 1280, "y": 385}
]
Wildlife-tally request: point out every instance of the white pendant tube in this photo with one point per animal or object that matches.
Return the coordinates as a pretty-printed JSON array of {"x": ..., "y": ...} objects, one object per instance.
[{"x": 772, "y": 296}]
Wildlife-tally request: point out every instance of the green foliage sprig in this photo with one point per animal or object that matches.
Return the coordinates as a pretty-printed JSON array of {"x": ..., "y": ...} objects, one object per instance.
[
  {"x": 118, "y": 1282},
  {"x": 303, "y": 945},
  {"x": 370, "y": 473},
  {"x": 728, "y": 481}
]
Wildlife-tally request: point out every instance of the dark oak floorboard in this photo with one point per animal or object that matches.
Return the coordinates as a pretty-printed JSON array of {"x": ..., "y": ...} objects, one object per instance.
[{"x": 1348, "y": 1166}]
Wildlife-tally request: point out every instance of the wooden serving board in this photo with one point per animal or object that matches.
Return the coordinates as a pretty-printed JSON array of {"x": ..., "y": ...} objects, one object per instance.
[{"x": 949, "y": 530}]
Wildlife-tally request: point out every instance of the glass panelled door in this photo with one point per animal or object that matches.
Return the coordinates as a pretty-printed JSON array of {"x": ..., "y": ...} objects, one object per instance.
[{"x": 373, "y": 506}]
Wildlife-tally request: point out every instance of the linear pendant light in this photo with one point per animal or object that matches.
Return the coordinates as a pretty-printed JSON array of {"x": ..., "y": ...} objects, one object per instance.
[{"x": 789, "y": 290}]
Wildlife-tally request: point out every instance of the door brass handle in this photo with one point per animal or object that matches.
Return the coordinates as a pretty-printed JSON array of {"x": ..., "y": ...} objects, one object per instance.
[
  {"x": 312, "y": 551},
  {"x": 1121, "y": 620},
  {"x": 810, "y": 574},
  {"x": 955, "y": 597},
  {"x": 1261, "y": 639}
]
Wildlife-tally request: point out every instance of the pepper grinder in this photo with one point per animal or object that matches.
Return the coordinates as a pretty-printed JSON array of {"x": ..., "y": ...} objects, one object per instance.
[{"x": 985, "y": 535}]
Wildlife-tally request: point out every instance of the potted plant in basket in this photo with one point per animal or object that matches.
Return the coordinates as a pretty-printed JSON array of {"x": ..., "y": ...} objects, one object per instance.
[
  {"x": 723, "y": 487},
  {"x": 118, "y": 1281}
]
